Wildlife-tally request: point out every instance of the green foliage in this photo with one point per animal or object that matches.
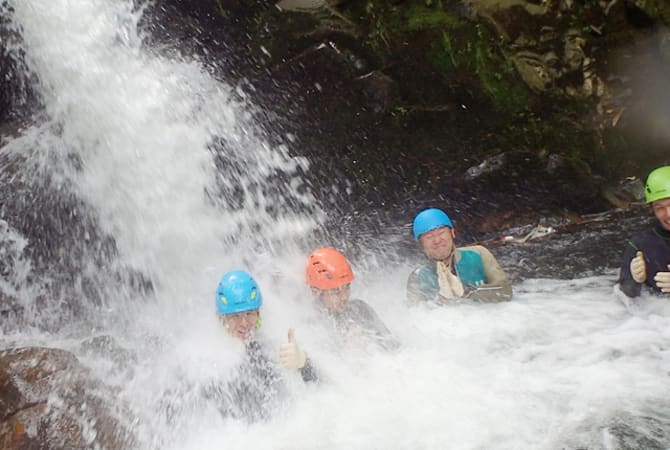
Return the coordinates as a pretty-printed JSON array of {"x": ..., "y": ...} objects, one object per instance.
[
  {"x": 220, "y": 9},
  {"x": 400, "y": 111},
  {"x": 379, "y": 33},
  {"x": 421, "y": 18},
  {"x": 498, "y": 76},
  {"x": 449, "y": 48},
  {"x": 469, "y": 48},
  {"x": 555, "y": 133},
  {"x": 452, "y": 45}
]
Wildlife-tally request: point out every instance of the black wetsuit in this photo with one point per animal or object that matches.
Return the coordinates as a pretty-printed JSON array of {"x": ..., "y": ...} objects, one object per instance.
[
  {"x": 256, "y": 389},
  {"x": 655, "y": 245},
  {"x": 359, "y": 319}
]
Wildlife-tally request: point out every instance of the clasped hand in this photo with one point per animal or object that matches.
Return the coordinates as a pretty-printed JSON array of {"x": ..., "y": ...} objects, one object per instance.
[{"x": 662, "y": 280}]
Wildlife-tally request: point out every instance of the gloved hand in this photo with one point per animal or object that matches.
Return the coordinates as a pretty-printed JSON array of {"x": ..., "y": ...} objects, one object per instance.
[
  {"x": 638, "y": 268},
  {"x": 662, "y": 280},
  {"x": 450, "y": 285},
  {"x": 290, "y": 354}
]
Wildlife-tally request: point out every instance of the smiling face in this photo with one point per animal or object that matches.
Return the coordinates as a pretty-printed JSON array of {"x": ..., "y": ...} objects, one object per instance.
[
  {"x": 438, "y": 244},
  {"x": 241, "y": 325},
  {"x": 661, "y": 210},
  {"x": 335, "y": 300}
]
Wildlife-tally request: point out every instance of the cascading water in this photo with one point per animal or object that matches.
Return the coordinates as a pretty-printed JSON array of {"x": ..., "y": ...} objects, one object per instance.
[{"x": 148, "y": 179}]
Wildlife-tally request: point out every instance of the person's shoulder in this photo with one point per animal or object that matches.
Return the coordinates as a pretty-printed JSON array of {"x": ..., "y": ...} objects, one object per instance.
[
  {"x": 475, "y": 248},
  {"x": 643, "y": 236},
  {"x": 357, "y": 304},
  {"x": 644, "y": 233},
  {"x": 423, "y": 269},
  {"x": 361, "y": 308}
]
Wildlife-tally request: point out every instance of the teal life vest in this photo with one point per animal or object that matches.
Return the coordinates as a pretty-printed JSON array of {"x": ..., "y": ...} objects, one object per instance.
[{"x": 470, "y": 270}]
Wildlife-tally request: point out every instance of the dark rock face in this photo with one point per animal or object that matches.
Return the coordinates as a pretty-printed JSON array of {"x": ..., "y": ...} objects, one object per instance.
[
  {"x": 404, "y": 98},
  {"x": 17, "y": 96},
  {"x": 48, "y": 400},
  {"x": 62, "y": 240},
  {"x": 394, "y": 103}
]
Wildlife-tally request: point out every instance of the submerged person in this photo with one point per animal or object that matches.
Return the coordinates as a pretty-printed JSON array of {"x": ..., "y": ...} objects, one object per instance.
[
  {"x": 329, "y": 276},
  {"x": 256, "y": 386},
  {"x": 465, "y": 272},
  {"x": 646, "y": 259}
]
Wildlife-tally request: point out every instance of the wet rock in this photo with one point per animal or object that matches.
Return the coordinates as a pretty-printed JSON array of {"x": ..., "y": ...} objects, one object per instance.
[
  {"x": 11, "y": 313},
  {"x": 17, "y": 96},
  {"x": 107, "y": 347},
  {"x": 625, "y": 193},
  {"x": 487, "y": 166},
  {"x": 379, "y": 91},
  {"x": 533, "y": 70},
  {"x": 52, "y": 232},
  {"x": 664, "y": 45},
  {"x": 49, "y": 400},
  {"x": 645, "y": 12},
  {"x": 301, "y": 5}
]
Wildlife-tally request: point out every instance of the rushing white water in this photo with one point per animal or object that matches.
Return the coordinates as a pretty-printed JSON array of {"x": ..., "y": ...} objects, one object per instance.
[
  {"x": 566, "y": 364},
  {"x": 141, "y": 128}
]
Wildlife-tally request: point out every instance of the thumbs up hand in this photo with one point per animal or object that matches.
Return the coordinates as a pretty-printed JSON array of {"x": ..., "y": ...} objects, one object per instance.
[
  {"x": 290, "y": 354},
  {"x": 638, "y": 268}
]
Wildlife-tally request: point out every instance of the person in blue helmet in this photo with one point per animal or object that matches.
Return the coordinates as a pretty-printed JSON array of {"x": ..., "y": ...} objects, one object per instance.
[
  {"x": 253, "y": 392},
  {"x": 646, "y": 260},
  {"x": 465, "y": 272},
  {"x": 238, "y": 302}
]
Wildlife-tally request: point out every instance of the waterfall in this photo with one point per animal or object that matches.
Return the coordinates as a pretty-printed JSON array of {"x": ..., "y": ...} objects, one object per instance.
[
  {"x": 146, "y": 164},
  {"x": 139, "y": 177}
]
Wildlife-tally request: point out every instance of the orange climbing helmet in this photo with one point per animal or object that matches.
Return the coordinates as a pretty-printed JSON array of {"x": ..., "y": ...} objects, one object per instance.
[{"x": 328, "y": 269}]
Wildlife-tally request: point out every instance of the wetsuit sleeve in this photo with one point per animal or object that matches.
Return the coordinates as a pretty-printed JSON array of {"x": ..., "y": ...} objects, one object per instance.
[
  {"x": 626, "y": 283},
  {"x": 417, "y": 291},
  {"x": 414, "y": 294},
  {"x": 375, "y": 327},
  {"x": 497, "y": 287},
  {"x": 308, "y": 372}
]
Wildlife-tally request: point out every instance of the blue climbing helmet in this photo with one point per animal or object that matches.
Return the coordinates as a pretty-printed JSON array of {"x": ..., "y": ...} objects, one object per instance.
[
  {"x": 237, "y": 292},
  {"x": 429, "y": 219}
]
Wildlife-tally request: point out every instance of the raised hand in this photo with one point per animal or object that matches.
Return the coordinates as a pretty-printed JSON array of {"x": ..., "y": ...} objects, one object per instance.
[
  {"x": 290, "y": 355},
  {"x": 638, "y": 268}
]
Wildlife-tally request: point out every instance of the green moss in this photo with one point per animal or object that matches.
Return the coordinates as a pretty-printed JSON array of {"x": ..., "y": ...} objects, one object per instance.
[
  {"x": 422, "y": 18},
  {"x": 470, "y": 49},
  {"x": 220, "y": 9},
  {"x": 498, "y": 77},
  {"x": 556, "y": 133},
  {"x": 452, "y": 45},
  {"x": 377, "y": 18},
  {"x": 443, "y": 56}
]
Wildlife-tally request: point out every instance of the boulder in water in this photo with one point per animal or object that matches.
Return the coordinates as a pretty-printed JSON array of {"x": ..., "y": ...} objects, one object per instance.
[{"x": 49, "y": 400}]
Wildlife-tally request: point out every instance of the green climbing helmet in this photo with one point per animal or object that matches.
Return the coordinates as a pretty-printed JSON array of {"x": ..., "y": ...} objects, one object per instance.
[{"x": 657, "y": 186}]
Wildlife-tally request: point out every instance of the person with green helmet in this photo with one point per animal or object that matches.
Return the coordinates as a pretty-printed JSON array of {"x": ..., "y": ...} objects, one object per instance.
[
  {"x": 251, "y": 394},
  {"x": 466, "y": 272},
  {"x": 646, "y": 260}
]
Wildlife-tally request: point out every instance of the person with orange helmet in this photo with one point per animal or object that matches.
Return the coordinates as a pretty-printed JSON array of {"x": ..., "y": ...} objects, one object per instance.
[{"x": 329, "y": 276}]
